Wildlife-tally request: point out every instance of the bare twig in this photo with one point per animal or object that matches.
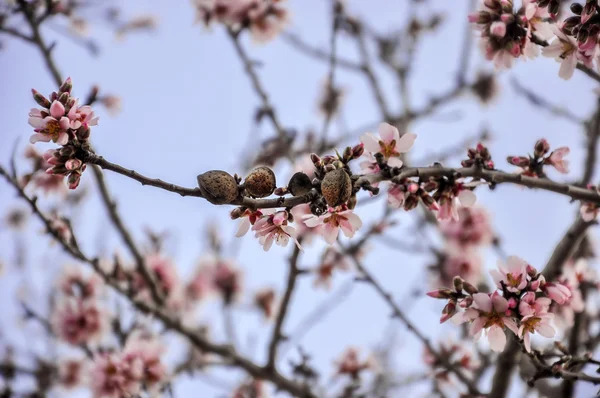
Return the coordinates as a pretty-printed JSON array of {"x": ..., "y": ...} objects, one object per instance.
[
  {"x": 277, "y": 335},
  {"x": 296, "y": 42}
]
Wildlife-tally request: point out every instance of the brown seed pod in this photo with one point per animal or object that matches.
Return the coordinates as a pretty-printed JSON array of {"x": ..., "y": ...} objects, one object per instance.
[
  {"x": 260, "y": 182},
  {"x": 218, "y": 187},
  {"x": 299, "y": 184},
  {"x": 336, "y": 187}
]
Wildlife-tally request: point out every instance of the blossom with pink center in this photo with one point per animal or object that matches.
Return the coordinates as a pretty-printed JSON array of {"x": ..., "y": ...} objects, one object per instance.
[
  {"x": 513, "y": 274},
  {"x": 274, "y": 228},
  {"x": 332, "y": 259},
  {"x": 564, "y": 50},
  {"x": 465, "y": 262},
  {"x": 78, "y": 321},
  {"x": 490, "y": 314},
  {"x": 529, "y": 305},
  {"x": 350, "y": 363},
  {"x": 473, "y": 227},
  {"x": 334, "y": 220},
  {"x": 535, "y": 323},
  {"x": 557, "y": 292},
  {"x": 81, "y": 116},
  {"x": 390, "y": 145},
  {"x": 51, "y": 125},
  {"x": 142, "y": 355},
  {"x": 556, "y": 159},
  {"x": 249, "y": 217},
  {"x": 396, "y": 196},
  {"x": 451, "y": 200},
  {"x": 109, "y": 377}
]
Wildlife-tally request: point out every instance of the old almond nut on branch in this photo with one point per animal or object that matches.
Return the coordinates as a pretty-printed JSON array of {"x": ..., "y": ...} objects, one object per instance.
[
  {"x": 336, "y": 187},
  {"x": 218, "y": 187},
  {"x": 299, "y": 184},
  {"x": 261, "y": 182}
]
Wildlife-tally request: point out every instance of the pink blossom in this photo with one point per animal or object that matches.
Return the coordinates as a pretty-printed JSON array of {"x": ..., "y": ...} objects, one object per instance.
[
  {"x": 248, "y": 218},
  {"x": 332, "y": 259},
  {"x": 142, "y": 355},
  {"x": 451, "y": 200},
  {"x": 513, "y": 274},
  {"x": 498, "y": 29},
  {"x": 164, "y": 272},
  {"x": 74, "y": 283},
  {"x": 254, "y": 388},
  {"x": 391, "y": 145},
  {"x": 564, "y": 50},
  {"x": 70, "y": 373},
  {"x": 396, "y": 196},
  {"x": 589, "y": 211},
  {"x": 51, "y": 125},
  {"x": 78, "y": 321},
  {"x": 473, "y": 227},
  {"x": 274, "y": 228},
  {"x": 556, "y": 159},
  {"x": 490, "y": 314},
  {"x": 227, "y": 279},
  {"x": 81, "y": 116},
  {"x": 465, "y": 262},
  {"x": 557, "y": 292},
  {"x": 200, "y": 286},
  {"x": 265, "y": 301},
  {"x": 535, "y": 323},
  {"x": 301, "y": 212},
  {"x": 110, "y": 379},
  {"x": 529, "y": 305},
  {"x": 350, "y": 363},
  {"x": 333, "y": 221}
]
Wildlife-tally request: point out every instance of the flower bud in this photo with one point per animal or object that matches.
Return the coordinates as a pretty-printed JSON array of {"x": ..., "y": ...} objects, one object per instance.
[
  {"x": 83, "y": 133},
  {"x": 329, "y": 167},
  {"x": 541, "y": 148},
  {"x": 576, "y": 8},
  {"x": 467, "y": 302},
  {"x": 218, "y": 187},
  {"x": 63, "y": 98},
  {"x": 40, "y": 99},
  {"x": 358, "y": 151},
  {"x": 315, "y": 159},
  {"x": 458, "y": 284},
  {"x": 532, "y": 272},
  {"x": 236, "y": 213},
  {"x": 410, "y": 202},
  {"x": 467, "y": 163},
  {"x": 347, "y": 154},
  {"x": 471, "y": 153},
  {"x": 469, "y": 288},
  {"x": 336, "y": 187},
  {"x": 352, "y": 202},
  {"x": 299, "y": 184},
  {"x": 440, "y": 293},
  {"x": 260, "y": 182},
  {"x": 66, "y": 86},
  {"x": 280, "y": 191},
  {"x": 512, "y": 303},
  {"x": 519, "y": 161},
  {"x": 448, "y": 311}
]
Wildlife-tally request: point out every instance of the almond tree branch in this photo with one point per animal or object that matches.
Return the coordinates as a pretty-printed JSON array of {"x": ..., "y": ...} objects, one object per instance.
[
  {"x": 194, "y": 337},
  {"x": 277, "y": 335},
  {"x": 256, "y": 84},
  {"x": 593, "y": 134},
  {"x": 115, "y": 217},
  {"x": 491, "y": 176},
  {"x": 368, "y": 278}
]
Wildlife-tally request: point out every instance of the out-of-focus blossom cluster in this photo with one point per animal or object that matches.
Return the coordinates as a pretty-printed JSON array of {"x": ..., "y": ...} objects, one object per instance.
[
  {"x": 351, "y": 364},
  {"x": 38, "y": 178},
  {"x": 521, "y": 304},
  {"x": 124, "y": 373},
  {"x": 456, "y": 354},
  {"x": 80, "y": 315},
  {"x": 265, "y": 19},
  {"x": 464, "y": 239},
  {"x": 63, "y": 121}
]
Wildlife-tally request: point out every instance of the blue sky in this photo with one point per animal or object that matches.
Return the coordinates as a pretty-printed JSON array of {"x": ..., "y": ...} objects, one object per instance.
[{"x": 188, "y": 107}]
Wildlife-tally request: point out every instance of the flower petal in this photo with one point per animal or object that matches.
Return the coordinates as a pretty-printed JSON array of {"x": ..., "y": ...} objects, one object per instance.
[
  {"x": 483, "y": 301},
  {"x": 406, "y": 142},
  {"x": 497, "y": 338},
  {"x": 370, "y": 142},
  {"x": 388, "y": 133},
  {"x": 467, "y": 198}
]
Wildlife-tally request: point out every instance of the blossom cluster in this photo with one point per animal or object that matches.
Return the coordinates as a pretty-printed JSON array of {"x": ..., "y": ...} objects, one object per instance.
[
  {"x": 507, "y": 34},
  {"x": 63, "y": 121},
  {"x": 125, "y": 373},
  {"x": 265, "y": 19},
  {"x": 454, "y": 353},
  {"x": 79, "y": 316},
  {"x": 463, "y": 239},
  {"x": 533, "y": 166},
  {"x": 521, "y": 304}
]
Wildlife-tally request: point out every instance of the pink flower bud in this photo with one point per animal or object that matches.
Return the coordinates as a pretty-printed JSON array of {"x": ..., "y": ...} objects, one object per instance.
[
  {"x": 512, "y": 303},
  {"x": 448, "y": 311},
  {"x": 541, "y": 147},
  {"x": 66, "y": 86},
  {"x": 469, "y": 288},
  {"x": 498, "y": 29},
  {"x": 458, "y": 283},
  {"x": 315, "y": 158},
  {"x": 532, "y": 272},
  {"x": 440, "y": 293},
  {"x": 40, "y": 99},
  {"x": 358, "y": 151}
]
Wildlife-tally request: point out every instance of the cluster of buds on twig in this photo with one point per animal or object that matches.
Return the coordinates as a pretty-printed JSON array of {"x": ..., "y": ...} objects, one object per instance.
[
  {"x": 521, "y": 304},
  {"x": 407, "y": 193},
  {"x": 449, "y": 194},
  {"x": 263, "y": 18},
  {"x": 479, "y": 156},
  {"x": 584, "y": 26},
  {"x": 63, "y": 121},
  {"x": 533, "y": 166}
]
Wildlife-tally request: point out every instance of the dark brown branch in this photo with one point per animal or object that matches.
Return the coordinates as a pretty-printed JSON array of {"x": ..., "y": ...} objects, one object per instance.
[
  {"x": 256, "y": 84},
  {"x": 398, "y": 313},
  {"x": 277, "y": 335},
  {"x": 317, "y": 53},
  {"x": 505, "y": 365},
  {"x": 115, "y": 217},
  {"x": 593, "y": 134},
  {"x": 196, "y": 338}
]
